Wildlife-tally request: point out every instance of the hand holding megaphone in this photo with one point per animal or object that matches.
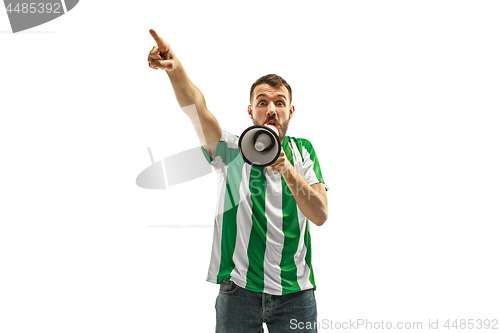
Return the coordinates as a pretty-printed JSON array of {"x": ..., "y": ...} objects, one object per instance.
[{"x": 282, "y": 164}]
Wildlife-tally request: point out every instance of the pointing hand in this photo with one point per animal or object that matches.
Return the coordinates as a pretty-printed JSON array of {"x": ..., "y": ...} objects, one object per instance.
[{"x": 162, "y": 56}]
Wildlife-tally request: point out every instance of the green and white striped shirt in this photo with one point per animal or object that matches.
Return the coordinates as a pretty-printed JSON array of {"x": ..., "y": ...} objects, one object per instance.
[{"x": 261, "y": 237}]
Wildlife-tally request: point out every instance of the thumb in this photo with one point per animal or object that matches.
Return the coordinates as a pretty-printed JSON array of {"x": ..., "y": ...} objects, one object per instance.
[{"x": 167, "y": 65}]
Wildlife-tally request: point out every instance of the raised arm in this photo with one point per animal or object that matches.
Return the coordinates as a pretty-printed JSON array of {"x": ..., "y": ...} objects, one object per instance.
[{"x": 188, "y": 96}]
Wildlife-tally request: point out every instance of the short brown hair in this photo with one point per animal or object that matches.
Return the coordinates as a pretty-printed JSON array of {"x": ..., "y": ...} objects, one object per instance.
[{"x": 273, "y": 80}]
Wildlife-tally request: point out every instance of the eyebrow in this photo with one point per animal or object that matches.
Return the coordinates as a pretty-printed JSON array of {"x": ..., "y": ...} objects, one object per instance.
[{"x": 265, "y": 95}]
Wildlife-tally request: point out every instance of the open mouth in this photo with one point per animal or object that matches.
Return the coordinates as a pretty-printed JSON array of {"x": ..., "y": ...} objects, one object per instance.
[{"x": 274, "y": 124}]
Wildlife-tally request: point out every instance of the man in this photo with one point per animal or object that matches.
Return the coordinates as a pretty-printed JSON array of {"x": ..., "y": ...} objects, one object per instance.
[{"x": 261, "y": 254}]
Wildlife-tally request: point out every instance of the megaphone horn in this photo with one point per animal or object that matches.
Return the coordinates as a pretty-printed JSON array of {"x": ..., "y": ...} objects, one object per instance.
[{"x": 260, "y": 145}]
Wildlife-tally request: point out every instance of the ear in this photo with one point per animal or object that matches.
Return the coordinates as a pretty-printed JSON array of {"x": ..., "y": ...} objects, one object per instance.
[
  {"x": 250, "y": 111},
  {"x": 292, "y": 111}
]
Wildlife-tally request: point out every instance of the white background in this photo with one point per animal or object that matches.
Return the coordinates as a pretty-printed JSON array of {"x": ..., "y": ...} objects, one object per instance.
[{"x": 399, "y": 98}]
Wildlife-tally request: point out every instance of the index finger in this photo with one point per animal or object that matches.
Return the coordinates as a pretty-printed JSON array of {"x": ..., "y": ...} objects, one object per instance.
[{"x": 157, "y": 38}]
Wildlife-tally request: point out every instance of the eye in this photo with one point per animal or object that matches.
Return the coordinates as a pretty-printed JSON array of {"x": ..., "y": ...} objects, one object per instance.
[
  {"x": 262, "y": 103},
  {"x": 280, "y": 103}
]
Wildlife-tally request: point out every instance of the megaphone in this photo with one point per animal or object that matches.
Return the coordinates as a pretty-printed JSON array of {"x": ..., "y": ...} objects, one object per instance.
[{"x": 260, "y": 145}]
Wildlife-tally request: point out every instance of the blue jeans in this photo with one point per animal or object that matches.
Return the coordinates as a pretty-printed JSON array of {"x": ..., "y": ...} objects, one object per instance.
[{"x": 243, "y": 311}]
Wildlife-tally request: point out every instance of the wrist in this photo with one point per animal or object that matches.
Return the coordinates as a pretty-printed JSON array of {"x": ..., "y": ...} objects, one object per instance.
[
  {"x": 176, "y": 73},
  {"x": 289, "y": 173}
]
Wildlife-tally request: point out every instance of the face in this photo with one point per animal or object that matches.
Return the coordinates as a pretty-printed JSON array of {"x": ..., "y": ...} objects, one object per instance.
[{"x": 271, "y": 104}]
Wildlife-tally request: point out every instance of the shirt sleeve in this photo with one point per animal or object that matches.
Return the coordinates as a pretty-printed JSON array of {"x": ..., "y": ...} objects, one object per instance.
[
  {"x": 311, "y": 167},
  {"x": 227, "y": 150}
]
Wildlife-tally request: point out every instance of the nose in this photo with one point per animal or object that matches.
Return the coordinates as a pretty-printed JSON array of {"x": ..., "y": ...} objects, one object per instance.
[{"x": 271, "y": 110}]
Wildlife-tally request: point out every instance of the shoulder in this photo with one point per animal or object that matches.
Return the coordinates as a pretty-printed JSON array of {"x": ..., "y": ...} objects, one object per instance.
[
  {"x": 230, "y": 139},
  {"x": 304, "y": 147},
  {"x": 301, "y": 140},
  {"x": 301, "y": 143}
]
